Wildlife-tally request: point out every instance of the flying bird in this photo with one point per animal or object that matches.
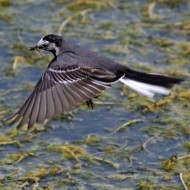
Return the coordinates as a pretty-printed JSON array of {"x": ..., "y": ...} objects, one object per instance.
[{"x": 76, "y": 75}]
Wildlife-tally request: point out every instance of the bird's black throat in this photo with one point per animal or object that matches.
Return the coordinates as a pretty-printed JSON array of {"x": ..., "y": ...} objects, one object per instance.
[{"x": 54, "y": 53}]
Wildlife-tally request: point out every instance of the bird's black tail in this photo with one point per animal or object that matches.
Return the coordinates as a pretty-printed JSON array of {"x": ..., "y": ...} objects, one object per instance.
[{"x": 149, "y": 84}]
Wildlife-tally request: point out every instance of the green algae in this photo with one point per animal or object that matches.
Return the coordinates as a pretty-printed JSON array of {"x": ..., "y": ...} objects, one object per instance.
[
  {"x": 145, "y": 185},
  {"x": 13, "y": 133},
  {"x": 170, "y": 164},
  {"x": 5, "y": 14},
  {"x": 83, "y": 4},
  {"x": 91, "y": 140},
  {"x": 171, "y": 3},
  {"x": 187, "y": 146},
  {"x": 109, "y": 149},
  {"x": 5, "y": 140},
  {"x": 16, "y": 158},
  {"x": 116, "y": 49},
  {"x": 44, "y": 171},
  {"x": 125, "y": 125},
  {"x": 117, "y": 177},
  {"x": 68, "y": 151},
  {"x": 186, "y": 178},
  {"x": 108, "y": 159},
  {"x": 161, "y": 42}
]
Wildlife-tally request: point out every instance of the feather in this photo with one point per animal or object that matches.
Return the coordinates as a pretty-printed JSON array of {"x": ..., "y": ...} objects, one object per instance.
[
  {"x": 145, "y": 89},
  {"x": 42, "y": 107}
]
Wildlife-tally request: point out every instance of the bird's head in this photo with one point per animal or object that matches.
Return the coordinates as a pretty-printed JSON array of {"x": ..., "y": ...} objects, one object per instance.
[{"x": 50, "y": 42}]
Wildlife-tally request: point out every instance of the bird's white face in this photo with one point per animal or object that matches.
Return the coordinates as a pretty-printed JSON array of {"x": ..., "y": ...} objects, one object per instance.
[{"x": 46, "y": 45}]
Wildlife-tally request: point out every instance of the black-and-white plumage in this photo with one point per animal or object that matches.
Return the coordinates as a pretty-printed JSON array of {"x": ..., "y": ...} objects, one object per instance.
[{"x": 77, "y": 75}]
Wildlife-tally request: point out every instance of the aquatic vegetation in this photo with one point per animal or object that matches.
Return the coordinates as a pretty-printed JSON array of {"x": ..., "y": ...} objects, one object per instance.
[
  {"x": 68, "y": 151},
  {"x": 125, "y": 125},
  {"x": 4, "y": 9},
  {"x": 95, "y": 4},
  {"x": 90, "y": 140},
  {"x": 5, "y": 140},
  {"x": 16, "y": 158},
  {"x": 128, "y": 141}
]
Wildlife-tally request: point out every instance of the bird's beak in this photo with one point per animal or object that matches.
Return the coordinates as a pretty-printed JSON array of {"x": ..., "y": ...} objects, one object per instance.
[
  {"x": 35, "y": 48},
  {"x": 40, "y": 45}
]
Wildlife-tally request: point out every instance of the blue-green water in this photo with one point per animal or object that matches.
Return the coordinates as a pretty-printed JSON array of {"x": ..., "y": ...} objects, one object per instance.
[{"x": 149, "y": 36}]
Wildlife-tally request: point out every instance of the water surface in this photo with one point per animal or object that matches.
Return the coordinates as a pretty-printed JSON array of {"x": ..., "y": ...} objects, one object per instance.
[{"x": 90, "y": 149}]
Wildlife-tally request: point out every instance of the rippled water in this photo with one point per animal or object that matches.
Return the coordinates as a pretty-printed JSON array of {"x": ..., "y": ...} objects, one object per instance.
[{"x": 149, "y": 36}]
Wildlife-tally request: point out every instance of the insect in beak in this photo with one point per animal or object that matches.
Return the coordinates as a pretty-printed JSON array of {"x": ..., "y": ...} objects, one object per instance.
[
  {"x": 36, "y": 48},
  {"x": 33, "y": 48}
]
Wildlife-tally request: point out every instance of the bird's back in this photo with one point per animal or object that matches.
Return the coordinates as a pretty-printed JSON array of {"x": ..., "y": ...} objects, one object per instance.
[{"x": 73, "y": 54}]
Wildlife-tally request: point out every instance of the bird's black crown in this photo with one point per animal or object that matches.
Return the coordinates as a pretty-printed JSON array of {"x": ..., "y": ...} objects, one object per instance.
[{"x": 54, "y": 39}]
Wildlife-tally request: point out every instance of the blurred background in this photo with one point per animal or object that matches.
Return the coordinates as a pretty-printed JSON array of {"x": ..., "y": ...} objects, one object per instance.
[{"x": 128, "y": 141}]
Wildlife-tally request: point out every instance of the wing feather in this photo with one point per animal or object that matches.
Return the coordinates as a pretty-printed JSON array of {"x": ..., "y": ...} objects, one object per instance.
[
  {"x": 62, "y": 89},
  {"x": 57, "y": 101},
  {"x": 27, "y": 112},
  {"x": 63, "y": 97},
  {"x": 42, "y": 108},
  {"x": 70, "y": 100},
  {"x": 74, "y": 93},
  {"x": 34, "y": 111},
  {"x": 50, "y": 104}
]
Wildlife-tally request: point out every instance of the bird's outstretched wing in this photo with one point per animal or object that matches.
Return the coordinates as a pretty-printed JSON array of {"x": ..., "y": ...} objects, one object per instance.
[{"x": 62, "y": 89}]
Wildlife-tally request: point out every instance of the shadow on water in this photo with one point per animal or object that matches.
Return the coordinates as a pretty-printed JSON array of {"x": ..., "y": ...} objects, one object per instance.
[{"x": 127, "y": 141}]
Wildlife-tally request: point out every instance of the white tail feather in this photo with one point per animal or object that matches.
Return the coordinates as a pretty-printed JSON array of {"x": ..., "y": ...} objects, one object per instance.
[{"x": 145, "y": 89}]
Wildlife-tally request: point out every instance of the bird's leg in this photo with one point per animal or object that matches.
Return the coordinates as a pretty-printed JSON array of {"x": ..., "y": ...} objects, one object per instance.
[{"x": 90, "y": 104}]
